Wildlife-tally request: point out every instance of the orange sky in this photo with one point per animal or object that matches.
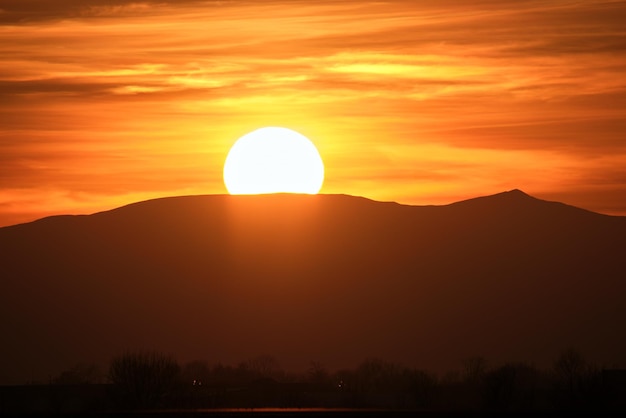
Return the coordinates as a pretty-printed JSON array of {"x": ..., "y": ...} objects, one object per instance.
[{"x": 108, "y": 102}]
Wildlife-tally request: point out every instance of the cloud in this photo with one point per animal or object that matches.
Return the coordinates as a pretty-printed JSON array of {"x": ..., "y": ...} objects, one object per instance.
[
  {"x": 50, "y": 86},
  {"x": 30, "y": 11}
]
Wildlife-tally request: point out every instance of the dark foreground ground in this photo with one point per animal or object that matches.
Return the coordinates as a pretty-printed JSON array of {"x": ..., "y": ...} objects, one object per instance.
[
  {"x": 268, "y": 398},
  {"x": 52, "y": 405},
  {"x": 320, "y": 413}
]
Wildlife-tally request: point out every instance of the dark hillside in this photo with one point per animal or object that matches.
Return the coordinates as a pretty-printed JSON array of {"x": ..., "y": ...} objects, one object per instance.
[{"x": 331, "y": 278}]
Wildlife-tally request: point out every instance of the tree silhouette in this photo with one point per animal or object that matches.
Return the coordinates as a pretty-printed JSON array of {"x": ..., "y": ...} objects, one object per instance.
[
  {"x": 474, "y": 368},
  {"x": 422, "y": 386},
  {"x": 500, "y": 386},
  {"x": 570, "y": 367},
  {"x": 143, "y": 378},
  {"x": 196, "y": 373},
  {"x": 319, "y": 376},
  {"x": 262, "y": 367},
  {"x": 579, "y": 381}
]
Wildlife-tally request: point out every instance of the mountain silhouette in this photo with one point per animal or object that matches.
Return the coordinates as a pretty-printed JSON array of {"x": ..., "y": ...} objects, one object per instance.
[{"x": 330, "y": 278}]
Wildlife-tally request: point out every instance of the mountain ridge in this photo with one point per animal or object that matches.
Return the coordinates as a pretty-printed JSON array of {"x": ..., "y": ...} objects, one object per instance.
[{"x": 513, "y": 196}]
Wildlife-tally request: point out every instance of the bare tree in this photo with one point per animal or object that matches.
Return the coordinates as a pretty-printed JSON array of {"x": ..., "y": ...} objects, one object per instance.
[
  {"x": 578, "y": 381},
  {"x": 143, "y": 378},
  {"x": 474, "y": 368},
  {"x": 570, "y": 367},
  {"x": 263, "y": 366},
  {"x": 318, "y": 375}
]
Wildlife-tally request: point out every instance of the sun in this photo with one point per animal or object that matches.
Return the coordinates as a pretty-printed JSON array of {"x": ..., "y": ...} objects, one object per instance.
[{"x": 273, "y": 160}]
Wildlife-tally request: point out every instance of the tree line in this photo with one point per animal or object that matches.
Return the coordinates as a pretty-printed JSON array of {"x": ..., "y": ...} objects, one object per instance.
[{"x": 150, "y": 379}]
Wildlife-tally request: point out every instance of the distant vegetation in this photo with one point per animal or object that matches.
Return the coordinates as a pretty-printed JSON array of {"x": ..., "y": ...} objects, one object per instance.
[
  {"x": 144, "y": 379},
  {"x": 153, "y": 380}
]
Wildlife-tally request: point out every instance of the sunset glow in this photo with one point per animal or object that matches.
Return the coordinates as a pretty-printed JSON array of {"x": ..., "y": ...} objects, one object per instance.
[{"x": 107, "y": 103}]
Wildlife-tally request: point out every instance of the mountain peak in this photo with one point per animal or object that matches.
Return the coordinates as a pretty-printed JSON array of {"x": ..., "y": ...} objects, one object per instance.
[
  {"x": 516, "y": 192},
  {"x": 514, "y": 196}
]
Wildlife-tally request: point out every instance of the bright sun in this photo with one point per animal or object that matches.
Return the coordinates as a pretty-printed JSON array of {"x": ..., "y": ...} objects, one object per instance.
[{"x": 273, "y": 160}]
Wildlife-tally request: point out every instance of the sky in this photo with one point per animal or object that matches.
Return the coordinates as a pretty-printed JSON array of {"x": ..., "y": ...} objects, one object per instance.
[{"x": 109, "y": 102}]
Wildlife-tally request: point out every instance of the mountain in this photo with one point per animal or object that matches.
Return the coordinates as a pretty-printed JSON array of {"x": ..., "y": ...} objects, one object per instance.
[{"x": 330, "y": 278}]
